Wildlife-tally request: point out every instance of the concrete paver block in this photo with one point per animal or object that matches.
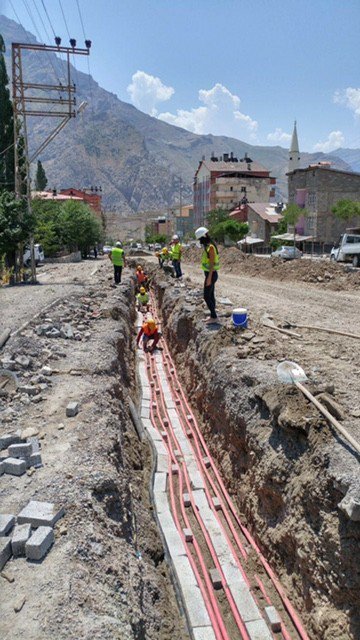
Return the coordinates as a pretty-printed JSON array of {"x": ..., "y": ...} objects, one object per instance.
[
  {"x": 14, "y": 466},
  {"x": 232, "y": 573},
  {"x": 162, "y": 463},
  {"x": 160, "y": 482},
  {"x": 245, "y": 603},
  {"x": 5, "y": 551},
  {"x": 206, "y": 462},
  {"x": 154, "y": 434},
  {"x": 40, "y": 514},
  {"x": 72, "y": 409},
  {"x": 174, "y": 469},
  {"x": 7, "y": 521},
  {"x": 201, "y": 500},
  {"x": 35, "y": 460},
  {"x": 184, "y": 570},
  {"x": 204, "y": 633},
  {"x": 195, "y": 606},
  {"x": 174, "y": 542},
  {"x": 160, "y": 448},
  {"x": 273, "y": 618},
  {"x": 21, "y": 534},
  {"x": 188, "y": 535},
  {"x": 9, "y": 438},
  {"x": 186, "y": 500},
  {"x": 258, "y": 630},
  {"x": 39, "y": 543},
  {"x": 161, "y": 501},
  {"x": 2, "y": 467},
  {"x": 215, "y": 578},
  {"x": 145, "y": 412},
  {"x": 21, "y": 450},
  {"x": 217, "y": 503}
]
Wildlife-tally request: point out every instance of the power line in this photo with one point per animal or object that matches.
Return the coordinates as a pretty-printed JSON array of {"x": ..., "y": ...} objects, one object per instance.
[
  {"x": 81, "y": 20},
  {"x": 68, "y": 32},
  {"x": 47, "y": 15}
]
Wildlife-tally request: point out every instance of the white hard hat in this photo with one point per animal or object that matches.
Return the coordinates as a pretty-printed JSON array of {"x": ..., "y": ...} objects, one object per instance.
[
  {"x": 175, "y": 237},
  {"x": 118, "y": 244},
  {"x": 201, "y": 232}
]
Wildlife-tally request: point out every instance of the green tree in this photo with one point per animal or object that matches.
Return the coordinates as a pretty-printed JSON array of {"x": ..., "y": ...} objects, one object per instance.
[
  {"x": 292, "y": 214},
  {"x": 346, "y": 209},
  {"x": 16, "y": 225},
  {"x": 81, "y": 228},
  {"x": 48, "y": 230},
  {"x": 40, "y": 179},
  {"x": 7, "y": 169},
  {"x": 232, "y": 229},
  {"x": 215, "y": 217}
]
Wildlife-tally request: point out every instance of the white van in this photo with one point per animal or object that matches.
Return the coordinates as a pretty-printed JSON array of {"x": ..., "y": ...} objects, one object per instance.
[
  {"x": 347, "y": 249},
  {"x": 39, "y": 255}
]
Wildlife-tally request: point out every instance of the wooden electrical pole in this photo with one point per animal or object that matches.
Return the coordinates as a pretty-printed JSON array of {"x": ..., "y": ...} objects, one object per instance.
[{"x": 38, "y": 104}]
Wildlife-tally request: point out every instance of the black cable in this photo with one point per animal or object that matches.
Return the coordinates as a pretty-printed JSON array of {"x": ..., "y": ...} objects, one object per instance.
[
  {"x": 47, "y": 15},
  {"x": 81, "y": 20}
]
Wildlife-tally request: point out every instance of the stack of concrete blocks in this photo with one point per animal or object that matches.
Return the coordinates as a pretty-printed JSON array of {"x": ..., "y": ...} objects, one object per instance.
[
  {"x": 30, "y": 534},
  {"x": 22, "y": 453}
]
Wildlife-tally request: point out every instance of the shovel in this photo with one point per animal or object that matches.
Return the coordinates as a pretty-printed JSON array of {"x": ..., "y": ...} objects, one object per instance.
[{"x": 291, "y": 373}]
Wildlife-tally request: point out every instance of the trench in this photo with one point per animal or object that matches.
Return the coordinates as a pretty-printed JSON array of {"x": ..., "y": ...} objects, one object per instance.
[{"x": 268, "y": 445}]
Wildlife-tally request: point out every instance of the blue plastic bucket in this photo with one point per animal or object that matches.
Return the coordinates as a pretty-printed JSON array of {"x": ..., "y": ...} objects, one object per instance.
[{"x": 240, "y": 318}]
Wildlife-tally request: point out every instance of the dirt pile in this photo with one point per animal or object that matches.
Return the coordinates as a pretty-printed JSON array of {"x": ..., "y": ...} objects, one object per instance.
[
  {"x": 277, "y": 455},
  {"x": 323, "y": 273}
]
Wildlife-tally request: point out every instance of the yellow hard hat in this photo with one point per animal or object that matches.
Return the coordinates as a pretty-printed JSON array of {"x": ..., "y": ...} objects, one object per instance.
[
  {"x": 151, "y": 322},
  {"x": 142, "y": 290},
  {"x": 166, "y": 250}
]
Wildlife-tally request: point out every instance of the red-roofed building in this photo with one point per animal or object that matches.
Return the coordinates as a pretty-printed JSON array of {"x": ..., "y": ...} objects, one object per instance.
[
  {"x": 90, "y": 197},
  {"x": 224, "y": 182},
  {"x": 262, "y": 218}
]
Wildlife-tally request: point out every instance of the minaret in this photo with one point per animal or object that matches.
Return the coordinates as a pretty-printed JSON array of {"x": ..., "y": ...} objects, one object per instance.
[{"x": 294, "y": 153}]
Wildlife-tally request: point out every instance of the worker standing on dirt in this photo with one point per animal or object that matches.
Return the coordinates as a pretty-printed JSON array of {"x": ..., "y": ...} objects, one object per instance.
[
  {"x": 142, "y": 299},
  {"x": 210, "y": 267},
  {"x": 149, "y": 332},
  {"x": 117, "y": 257},
  {"x": 176, "y": 252}
]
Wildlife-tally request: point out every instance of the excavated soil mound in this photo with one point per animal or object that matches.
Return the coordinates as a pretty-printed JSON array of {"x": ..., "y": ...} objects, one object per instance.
[{"x": 320, "y": 272}]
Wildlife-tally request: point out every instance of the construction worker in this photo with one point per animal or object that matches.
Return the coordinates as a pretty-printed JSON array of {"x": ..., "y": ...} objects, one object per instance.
[
  {"x": 164, "y": 256},
  {"x": 142, "y": 299},
  {"x": 141, "y": 277},
  {"x": 149, "y": 332},
  {"x": 176, "y": 251},
  {"x": 117, "y": 257},
  {"x": 210, "y": 267}
]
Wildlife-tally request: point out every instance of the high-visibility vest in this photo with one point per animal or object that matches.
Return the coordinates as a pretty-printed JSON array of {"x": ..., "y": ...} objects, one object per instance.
[
  {"x": 117, "y": 256},
  {"x": 149, "y": 331},
  {"x": 176, "y": 251},
  {"x": 143, "y": 298},
  {"x": 205, "y": 262}
]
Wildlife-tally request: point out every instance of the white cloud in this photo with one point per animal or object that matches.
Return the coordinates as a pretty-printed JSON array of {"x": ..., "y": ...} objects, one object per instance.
[
  {"x": 279, "y": 136},
  {"x": 350, "y": 98},
  {"x": 219, "y": 116},
  {"x": 335, "y": 140},
  {"x": 147, "y": 91}
]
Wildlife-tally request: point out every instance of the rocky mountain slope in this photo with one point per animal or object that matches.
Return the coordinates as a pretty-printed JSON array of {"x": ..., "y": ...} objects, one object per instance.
[{"x": 137, "y": 159}]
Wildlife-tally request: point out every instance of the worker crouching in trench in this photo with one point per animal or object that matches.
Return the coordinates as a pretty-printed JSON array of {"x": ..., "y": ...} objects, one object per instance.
[{"x": 150, "y": 336}]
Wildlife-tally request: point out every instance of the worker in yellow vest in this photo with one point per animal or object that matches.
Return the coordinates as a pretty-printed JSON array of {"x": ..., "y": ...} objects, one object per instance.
[
  {"x": 142, "y": 299},
  {"x": 176, "y": 252},
  {"x": 117, "y": 257},
  {"x": 210, "y": 267}
]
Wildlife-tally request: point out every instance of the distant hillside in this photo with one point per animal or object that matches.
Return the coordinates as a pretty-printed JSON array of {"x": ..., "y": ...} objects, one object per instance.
[
  {"x": 351, "y": 156},
  {"x": 137, "y": 159}
]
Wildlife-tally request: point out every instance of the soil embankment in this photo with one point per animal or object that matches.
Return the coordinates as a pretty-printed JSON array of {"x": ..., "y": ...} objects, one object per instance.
[{"x": 292, "y": 479}]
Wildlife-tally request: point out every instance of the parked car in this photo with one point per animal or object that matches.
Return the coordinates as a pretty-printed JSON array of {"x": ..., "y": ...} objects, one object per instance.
[
  {"x": 287, "y": 253},
  {"x": 107, "y": 248},
  {"x": 39, "y": 255},
  {"x": 347, "y": 249},
  {"x": 157, "y": 247},
  {"x": 139, "y": 245}
]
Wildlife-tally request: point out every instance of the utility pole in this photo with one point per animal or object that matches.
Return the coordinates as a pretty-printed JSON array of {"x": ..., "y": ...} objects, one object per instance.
[{"x": 38, "y": 104}]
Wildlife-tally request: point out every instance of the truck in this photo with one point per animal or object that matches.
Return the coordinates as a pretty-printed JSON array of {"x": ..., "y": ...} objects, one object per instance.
[{"x": 347, "y": 248}]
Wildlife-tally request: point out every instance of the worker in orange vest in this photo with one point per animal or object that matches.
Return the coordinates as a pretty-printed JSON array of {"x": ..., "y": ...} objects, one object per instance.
[{"x": 149, "y": 332}]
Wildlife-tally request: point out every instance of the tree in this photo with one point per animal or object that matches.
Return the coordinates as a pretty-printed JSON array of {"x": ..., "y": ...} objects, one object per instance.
[
  {"x": 232, "y": 229},
  {"x": 40, "y": 179},
  {"x": 292, "y": 214},
  {"x": 49, "y": 229},
  {"x": 80, "y": 227},
  {"x": 16, "y": 225},
  {"x": 7, "y": 165},
  {"x": 215, "y": 217},
  {"x": 346, "y": 209}
]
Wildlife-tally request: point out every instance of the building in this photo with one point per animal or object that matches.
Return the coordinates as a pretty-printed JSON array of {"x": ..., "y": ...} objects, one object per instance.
[
  {"x": 226, "y": 181},
  {"x": 262, "y": 218},
  {"x": 317, "y": 189},
  {"x": 184, "y": 221},
  {"x": 91, "y": 196}
]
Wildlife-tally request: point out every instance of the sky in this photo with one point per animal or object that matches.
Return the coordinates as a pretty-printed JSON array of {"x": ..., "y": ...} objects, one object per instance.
[{"x": 241, "y": 68}]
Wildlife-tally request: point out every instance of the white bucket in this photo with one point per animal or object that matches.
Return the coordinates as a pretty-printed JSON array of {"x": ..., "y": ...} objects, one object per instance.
[{"x": 240, "y": 317}]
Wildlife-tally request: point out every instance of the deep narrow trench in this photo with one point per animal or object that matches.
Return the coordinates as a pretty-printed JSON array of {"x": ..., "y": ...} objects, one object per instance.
[{"x": 269, "y": 447}]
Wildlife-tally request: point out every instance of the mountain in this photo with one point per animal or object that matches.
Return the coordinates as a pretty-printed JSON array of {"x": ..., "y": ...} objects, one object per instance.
[
  {"x": 350, "y": 156},
  {"x": 137, "y": 159}
]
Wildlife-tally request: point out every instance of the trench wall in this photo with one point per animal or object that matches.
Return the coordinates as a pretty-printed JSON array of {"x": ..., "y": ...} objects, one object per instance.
[{"x": 274, "y": 451}]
